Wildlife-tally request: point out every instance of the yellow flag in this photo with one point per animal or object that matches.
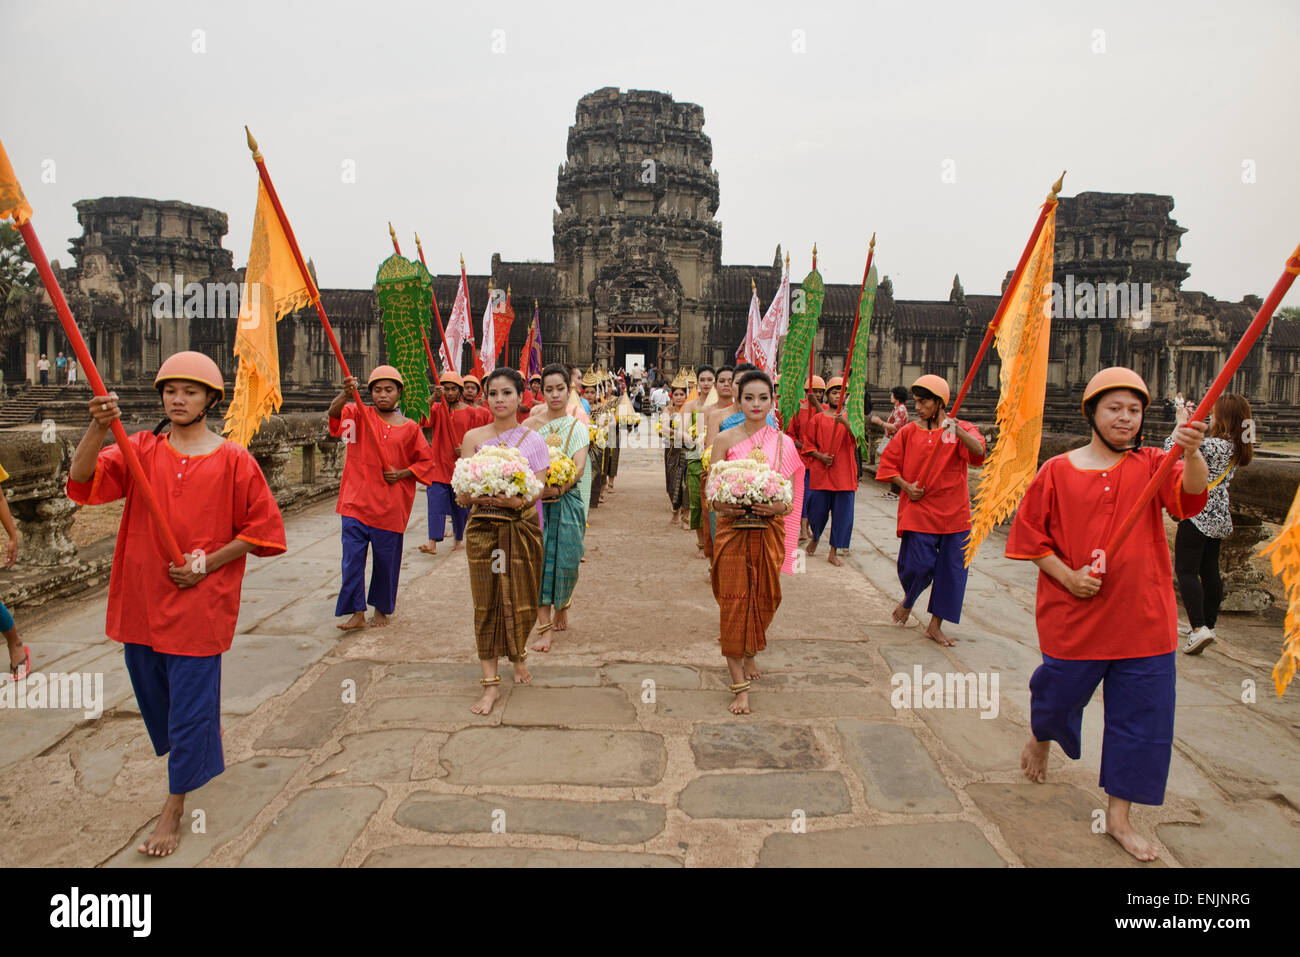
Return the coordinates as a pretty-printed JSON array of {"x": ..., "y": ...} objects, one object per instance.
[
  {"x": 274, "y": 287},
  {"x": 1284, "y": 552},
  {"x": 13, "y": 204},
  {"x": 1022, "y": 340}
]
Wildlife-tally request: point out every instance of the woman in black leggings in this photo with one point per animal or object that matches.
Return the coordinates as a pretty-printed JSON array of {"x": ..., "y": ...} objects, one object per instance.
[{"x": 1227, "y": 447}]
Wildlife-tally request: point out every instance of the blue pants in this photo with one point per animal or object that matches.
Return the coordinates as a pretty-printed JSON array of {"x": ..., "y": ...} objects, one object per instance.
[
  {"x": 180, "y": 701},
  {"x": 387, "y": 547},
  {"x": 807, "y": 490},
  {"x": 925, "y": 558},
  {"x": 1138, "y": 740},
  {"x": 838, "y": 507},
  {"x": 442, "y": 503}
]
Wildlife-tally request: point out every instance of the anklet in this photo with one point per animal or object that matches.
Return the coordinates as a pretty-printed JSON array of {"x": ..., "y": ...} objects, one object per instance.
[
  {"x": 490, "y": 682},
  {"x": 737, "y": 689}
]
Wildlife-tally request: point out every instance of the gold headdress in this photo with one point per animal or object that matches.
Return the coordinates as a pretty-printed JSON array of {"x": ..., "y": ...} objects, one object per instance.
[
  {"x": 680, "y": 381},
  {"x": 590, "y": 378}
]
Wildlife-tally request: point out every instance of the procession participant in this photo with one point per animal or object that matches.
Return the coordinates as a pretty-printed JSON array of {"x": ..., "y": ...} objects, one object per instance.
[
  {"x": 473, "y": 389},
  {"x": 374, "y": 501},
  {"x": 725, "y": 405},
  {"x": 614, "y": 448},
  {"x": 20, "y": 669},
  {"x": 800, "y": 424},
  {"x": 897, "y": 419},
  {"x": 504, "y": 543},
  {"x": 675, "y": 453},
  {"x": 562, "y": 507},
  {"x": 449, "y": 419},
  {"x": 694, "y": 413},
  {"x": 747, "y": 563},
  {"x": 934, "y": 521},
  {"x": 1118, "y": 630},
  {"x": 590, "y": 399},
  {"x": 532, "y": 398},
  {"x": 833, "y": 473},
  {"x": 176, "y": 622}
]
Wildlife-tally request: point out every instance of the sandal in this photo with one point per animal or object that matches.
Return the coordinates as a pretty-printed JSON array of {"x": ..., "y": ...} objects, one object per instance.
[{"x": 21, "y": 670}]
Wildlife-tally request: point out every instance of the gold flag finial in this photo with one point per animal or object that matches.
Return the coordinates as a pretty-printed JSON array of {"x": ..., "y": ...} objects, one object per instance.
[
  {"x": 252, "y": 144},
  {"x": 1056, "y": 187},
  {"x": 534, "y": 303},
  {"x": 752, "y": 287},
  {"x": 391, "y": 231},
  {"x": 873, "y": 243},
  {"x": 507, "y": 290},
  {"x": 417, "y": 241},
  {"x": 462, "y": 261},
  {"x": 787, "y": 260}
]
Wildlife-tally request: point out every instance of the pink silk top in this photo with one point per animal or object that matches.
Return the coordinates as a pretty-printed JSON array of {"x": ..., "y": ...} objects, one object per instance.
[{"x": 783, "y": 458}]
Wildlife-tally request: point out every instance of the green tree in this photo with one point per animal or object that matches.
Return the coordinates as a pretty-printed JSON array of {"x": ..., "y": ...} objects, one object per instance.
[
  {"x": 18, "y": 280},
  {"x": 1290, "y": 312}
]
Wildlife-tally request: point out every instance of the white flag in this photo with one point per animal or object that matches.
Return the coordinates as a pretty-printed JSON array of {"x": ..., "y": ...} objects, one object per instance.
[
  {"x": 774, "y": 324},
  {"x": 459, "y": 329},
  {"x": 487, "y": 352}
]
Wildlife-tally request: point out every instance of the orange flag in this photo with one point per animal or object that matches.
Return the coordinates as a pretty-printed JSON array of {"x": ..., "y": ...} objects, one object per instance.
[
  {"x": 13, "y": 204},
  {"x": 1022, "y": 340},
  {"x": 1284, "y": 552},
  {"x": 273, "y": 288}
]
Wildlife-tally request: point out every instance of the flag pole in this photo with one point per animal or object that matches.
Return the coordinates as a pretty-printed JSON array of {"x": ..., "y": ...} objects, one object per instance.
[
  {"x": 433, "y": 296},
  {"x": 470, "y": 314},
  {"x": 857, "y": 321},
  {"x": 1048, "y": 205},
  {"x": 1253, "y": 332},
  {"x": 97, "y": 385},
  {"x": 423, "y": 338}
]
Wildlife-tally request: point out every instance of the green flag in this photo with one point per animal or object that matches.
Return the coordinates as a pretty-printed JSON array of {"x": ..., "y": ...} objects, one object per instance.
[
  {"x": 805, "y": 309},
  {"x": 404, "y": 297},
  {"x": 857, "y": 384}
]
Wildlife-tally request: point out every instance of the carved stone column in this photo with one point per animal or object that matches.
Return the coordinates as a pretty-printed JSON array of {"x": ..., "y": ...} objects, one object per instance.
[{"x": 1243, "y": 588}]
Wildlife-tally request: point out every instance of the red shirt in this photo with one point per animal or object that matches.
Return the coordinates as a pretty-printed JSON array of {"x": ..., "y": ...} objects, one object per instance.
[
  {"x": 363, "y": 493},
  {"x": 208, "y": 501},
  {"x": 945, "y": 506},
  {"x": 1071, "y": 512},
  {"x": 832, "y": 438},
  {"x": 800, "y": 429},
  {"x": 526, "y": 405}
]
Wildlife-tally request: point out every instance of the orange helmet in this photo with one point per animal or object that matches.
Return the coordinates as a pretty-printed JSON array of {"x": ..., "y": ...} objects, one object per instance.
[
  {"x": 451, "y": 377},
  {"x": 935, "y": 385},
  {"x": 818, "y": 383},
  {"x": 192, "y": 367},
  {"x": 471, "y": 377},
  {"x": 385, "y": 372},
  {"x": 1116, "y": 377},
  {"x": 837, "y": 382}
]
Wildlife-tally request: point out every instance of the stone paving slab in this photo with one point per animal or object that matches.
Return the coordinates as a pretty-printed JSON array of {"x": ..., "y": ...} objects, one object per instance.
[
  {"x": 452, "y": 856},
  {"x": 376, "y": 756},
  {"x": 545, "y": 756},
  {"x": 1245, "y": 834},
  {"x": 447, "y": 711},
  {"x": 943, "y": 844},
  {"x": 259, "y": 667},
  {"x": 757, "y": 745},
  {"x": 601, "y": 822},
  {"x": 897, "y": 772},
  {"x": 568, "y": 707},
  {"x": 702, "y": 705},
  {"x": 1050, "y": 825},
  {"x": 812, "y": 654},
  {"x": 1248, "y": 756},
  {"x": 229, "y": 801},
  {"x": 674, "y": 677},
  {"x": 306, "y": 611},
  {"x": 316, "y": 829},
  {"x": 311, "y": 717},
  {"x": 773, "y": 794}
]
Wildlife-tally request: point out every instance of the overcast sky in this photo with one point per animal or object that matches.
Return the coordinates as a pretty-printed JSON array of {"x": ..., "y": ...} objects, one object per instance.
[{"x": 462, "y": 144}]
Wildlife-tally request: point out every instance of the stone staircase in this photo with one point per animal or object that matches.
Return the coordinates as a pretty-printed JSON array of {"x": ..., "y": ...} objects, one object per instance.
[{"x": 26, "y": 405}]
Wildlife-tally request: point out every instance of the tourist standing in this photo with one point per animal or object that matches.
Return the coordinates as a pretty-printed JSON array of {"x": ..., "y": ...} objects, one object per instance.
[
  {"x": 43, "y": 368},
  {"x": 72, "y": 371},
  {"x": 60, "y": 368}
]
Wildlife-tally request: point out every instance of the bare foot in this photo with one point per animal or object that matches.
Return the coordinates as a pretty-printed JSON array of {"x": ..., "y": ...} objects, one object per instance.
[
  {"x": 379, "y": 620},
  {"x": 933, "y": 632},
  {"x": 459, "y": 546},
  {"x": 358, "y": 620},
  {"x": 1033, "y": 760},
  {"x": 522, "y": 675},
  {"x": 562, "y": 620},
  {"x": 430, "y": 547},
  {"x": 699, "y": 553},
  {"x": 812, "y": 547},
  {"x": 543, "y": 642},
  {"x": 1131, "y": 840},
  {"x": 166, "y": 836},
  {"x": 484, "y": 704},
  {"x": 901, "y": 614},
  {"x": 741, "y": 704},
  {"x": 834, "y": 559},
  {"x": 751, "y": 669}
]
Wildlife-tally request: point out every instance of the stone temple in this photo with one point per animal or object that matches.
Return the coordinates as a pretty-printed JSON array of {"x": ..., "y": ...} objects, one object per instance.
[{"x": 638, "y": 270}]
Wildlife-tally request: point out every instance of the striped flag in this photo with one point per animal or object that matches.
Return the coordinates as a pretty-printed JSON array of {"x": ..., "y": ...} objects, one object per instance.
[
  {"x": 487, "y": 353},
  {"x": 774, "y": 324},
  {"x": 746, "y": 351},
  {"x": 459, "y": 328}
]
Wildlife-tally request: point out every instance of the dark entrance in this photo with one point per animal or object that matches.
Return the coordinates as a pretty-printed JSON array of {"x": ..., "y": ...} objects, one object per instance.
[{"x": 647, "y": 346}]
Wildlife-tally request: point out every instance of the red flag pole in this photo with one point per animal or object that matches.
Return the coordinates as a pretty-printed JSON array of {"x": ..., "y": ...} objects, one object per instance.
[
  {"x": 1229, "y": 369},
  {"x": 857, "y": 321},
  {"x": 311, "y": 284},
  {"x": 97, "y": 385},
  {"x": 433, "y": 296},
  {"x": 423, "y": 338},
  {"x": 996, "y": 321}
]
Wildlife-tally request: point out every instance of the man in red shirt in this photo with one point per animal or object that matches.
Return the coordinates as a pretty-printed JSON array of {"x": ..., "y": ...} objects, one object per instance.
[
  {"x": 531, "y": 398},
  {"x": 175, "y": 623},
  {"x": 934, "y": 520},
  {"x": 799, "y": 431},
  {"x": 833, "y": 473},
  {"x": 473, "y": 388},
  {"x": 1108, "y": 619},
  {"x": 448, "y": 420},
  {"x": 375, "y": 501}
]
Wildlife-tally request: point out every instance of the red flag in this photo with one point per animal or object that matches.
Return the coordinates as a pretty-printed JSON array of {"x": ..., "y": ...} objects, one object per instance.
[{"x": 501, "y": 327}]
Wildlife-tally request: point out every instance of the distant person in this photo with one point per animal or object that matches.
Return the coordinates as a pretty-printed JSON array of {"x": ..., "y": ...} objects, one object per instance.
[
  {"x": 72, "y": 372},
  {"x": 20, "y": 669},
  {"x": 1181, "y": 412},
  {"x": 60, "y": 367},
  {"x": 43, "y": 367},
  {"x": 1196, "y": 544}
]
